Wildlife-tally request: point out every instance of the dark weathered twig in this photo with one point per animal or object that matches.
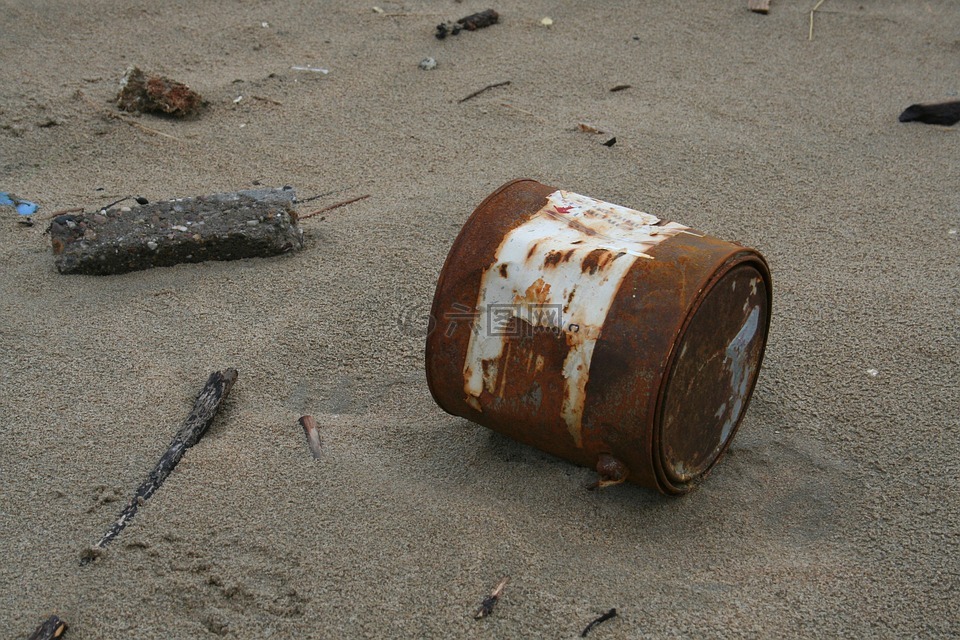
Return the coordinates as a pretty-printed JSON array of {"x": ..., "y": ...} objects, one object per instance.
[
  {"x": 333, "y": 206},
  {"x": 609, "y": 614},
  {"x": 313, "y": 436},
  {"x": 204, "y": 410},
  {"x": 486, "y": 88},
  {"x": 52, "y": 627},
  {"x": 486, "y": 607}
]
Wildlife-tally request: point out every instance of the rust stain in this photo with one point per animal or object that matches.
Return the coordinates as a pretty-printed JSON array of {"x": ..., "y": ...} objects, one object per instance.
[
  {"x": 503, "y": 270},
  {"x": 595, "y": 261},
  {"x": 533, "y": 250},
  {"x": 553, "y": 258},
  {"x": 536, "y": 294}
]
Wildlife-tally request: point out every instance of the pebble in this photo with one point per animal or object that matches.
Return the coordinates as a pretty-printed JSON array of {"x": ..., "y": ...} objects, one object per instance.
[
  {"x": 428, "y": 63},
  {"x": 252, "y": 223},
  {"x": 152, "y": 245},
  {"x": 547, "y": 22}
]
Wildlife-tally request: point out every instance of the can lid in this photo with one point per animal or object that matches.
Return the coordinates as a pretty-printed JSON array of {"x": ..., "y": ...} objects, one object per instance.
[{"x": 713, "y": 374}]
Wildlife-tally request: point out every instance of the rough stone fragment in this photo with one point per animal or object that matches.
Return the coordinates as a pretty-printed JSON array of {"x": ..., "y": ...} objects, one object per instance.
[
  {"x": 225, "y": 226},
  {"x": 156, "y": 94}
]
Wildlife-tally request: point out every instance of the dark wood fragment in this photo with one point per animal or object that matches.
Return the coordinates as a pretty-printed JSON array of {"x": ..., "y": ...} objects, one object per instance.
[
  {"x": 486, "y": 607},
  {"x": 620, "y": 87},
  {"x": 52, "y": 627},
  {"x": 156, "y": 94},
  {"x": 609, "y": 143},
  {"x": 225, "y": 226},
  {"x": 479, "y": 20},
  {"x": 759, "y": 6},
  {"x": 609, "y": 614},
  {"x": 313, "y": 436},
  {"x": 486, "y": 88},
  {"x": 194, "y": 427},
  {"x": 945, "y": 113}
]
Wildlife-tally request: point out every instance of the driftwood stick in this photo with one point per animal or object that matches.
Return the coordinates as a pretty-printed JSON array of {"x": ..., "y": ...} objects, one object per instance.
[
  {"x": 333, "y": 206},
  {"x": 52, "y": 627},
  {"x": 609, "y": 614},
  {"x": 313, "y": 436},
  {"x": 204, "y": 410},
  {"x": 486, "y": 607},
  {"x": 486, "y": 88}
]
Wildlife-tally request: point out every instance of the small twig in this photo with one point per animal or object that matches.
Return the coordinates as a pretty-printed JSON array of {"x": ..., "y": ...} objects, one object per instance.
[
  {"x": 270, "y": 100},
  {"x": 486, "y": 607},
  {"x": 486, "y": 88},
  {"x": 609, "y": 614},
  {"x": 52, "y": 627},
  {"x": 813, "y": 11},
  {"x": 214, "y": 392},
  {"x": 313, "y": 436},
  {"x": 333, "y": 206}
]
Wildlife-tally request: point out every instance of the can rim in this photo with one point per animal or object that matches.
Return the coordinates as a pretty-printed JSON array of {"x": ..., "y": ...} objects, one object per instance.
[{"x": 665, "y": 483}]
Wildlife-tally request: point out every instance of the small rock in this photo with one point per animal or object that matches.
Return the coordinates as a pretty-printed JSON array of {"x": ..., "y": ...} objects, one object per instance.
[
  {"x": 873, "y": 373},
  {"x": 152, "y": 245},
  {"x": 428, "y": 63},
  {"x": 546, "y": 22}
]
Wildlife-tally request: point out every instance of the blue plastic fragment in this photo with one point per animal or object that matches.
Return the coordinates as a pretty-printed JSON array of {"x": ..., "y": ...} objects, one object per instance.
[{"x": 23, "y": 207}]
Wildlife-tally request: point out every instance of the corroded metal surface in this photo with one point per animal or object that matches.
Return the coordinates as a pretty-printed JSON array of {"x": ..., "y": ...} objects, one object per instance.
[{"x": 600, "y": 334}]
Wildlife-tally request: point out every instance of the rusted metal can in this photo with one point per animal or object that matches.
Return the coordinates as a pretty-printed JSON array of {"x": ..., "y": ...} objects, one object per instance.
[{"x": 600, "y": 334}]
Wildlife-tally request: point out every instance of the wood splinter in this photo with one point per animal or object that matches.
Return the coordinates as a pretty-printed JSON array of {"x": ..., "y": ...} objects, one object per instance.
[
  {"x": 194, "y": 427},
  {"x": 486, "y": 607},
  {"x": 313, "y": 436},
  {"x": 52, "y": 627}
]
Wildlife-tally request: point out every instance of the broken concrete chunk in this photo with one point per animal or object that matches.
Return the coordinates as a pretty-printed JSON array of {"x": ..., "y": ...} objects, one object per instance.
[
  {"x": 156, "y": 94},
  {"x": 224, "y": 226}
]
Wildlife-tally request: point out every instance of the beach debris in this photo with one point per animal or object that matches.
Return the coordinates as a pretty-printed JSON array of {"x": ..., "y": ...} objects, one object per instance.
[
  {"x": 873, "y": 373},
  {"x": 225, "y": 226},
  {"x": 377, "y": 10},
  {"x": 759, "y": 6},
  {"x": 156, "y": 94},
  {"x": 589, "y": 128},
  {"x": 472, "y": 22},
  {"x": 610, "y": 472},
  {"x": 313, "y": 436},
  {"x": 486, "y": 88},
  {"x": 546, "y": 22},
  {"x": 813, "y": 11},
  {"x": 607, "y": 616},
  {"x": 52, "y": 627},
  {"x": 334, "y": 206},
  {"x": 21, "y": 206},
  {"x": 486, "y": 607},
  {"x": 428, "y": 64},
  {"x": 609, "y": 143},
  {"x": 320, "y": 70},
  {"x": 945, "y": 113},
  {"x": 205, "y": 409},
  {"x": 620, "y": 87}
]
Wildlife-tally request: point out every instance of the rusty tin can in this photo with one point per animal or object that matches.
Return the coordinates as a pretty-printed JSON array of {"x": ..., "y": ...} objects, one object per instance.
[{"x": 599, "y": 334}]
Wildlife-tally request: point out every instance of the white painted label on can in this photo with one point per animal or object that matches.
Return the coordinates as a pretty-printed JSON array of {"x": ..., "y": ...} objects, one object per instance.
[{"x": 559, "y": 271}]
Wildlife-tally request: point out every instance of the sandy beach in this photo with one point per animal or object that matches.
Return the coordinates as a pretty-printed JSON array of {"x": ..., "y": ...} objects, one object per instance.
[{"x": 836, "y": 512}]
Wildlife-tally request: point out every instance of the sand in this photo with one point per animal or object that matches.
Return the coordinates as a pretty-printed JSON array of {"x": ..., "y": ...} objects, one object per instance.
[{"x": 836, "y": 512}]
